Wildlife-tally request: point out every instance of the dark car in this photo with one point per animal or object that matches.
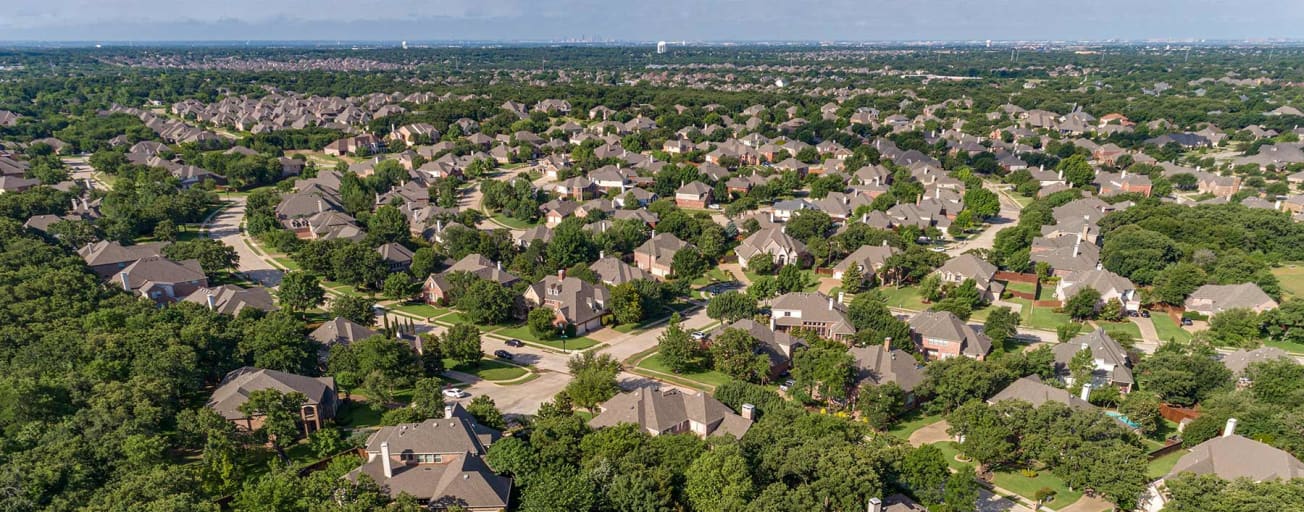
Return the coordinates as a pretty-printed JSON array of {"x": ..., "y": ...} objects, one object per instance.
[
  {"x": 515, "y": 343},
  {"x": 1186, "y": 321},
  {"x": 1145, "y": 314},
  {"x": 503, "y": 354}
]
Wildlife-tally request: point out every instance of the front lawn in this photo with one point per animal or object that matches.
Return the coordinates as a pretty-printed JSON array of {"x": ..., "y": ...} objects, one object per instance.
[
  {"x": 710, "y": 378},
  {"x": 1159, "y": 467},
  {"x": 1291, "y": 277},
  {"x": 1129, "y": 328},
  {"x": 510, "y": 222},
  {"x": 355, "y": 414},
  {"x": 1167, "y": 329},
  {"x": 1044, "y": 318},
  {"x": 1027, "y": 487},
  {"x": 1294, "y": 348},
  {"x": 903, "y": 298},
  {"x": 912, "y": 421},
  {"x": 1021, "y": 287},
  {"x": 489, "y": 369},
  {"x": 522, "y": 332},
  {"x": 421, "y": 310}
]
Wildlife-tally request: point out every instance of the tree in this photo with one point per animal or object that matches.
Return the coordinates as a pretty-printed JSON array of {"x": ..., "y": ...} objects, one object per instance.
[
  {"x": 734, "y": 353},
  {"x": 853, "y": 279},
  {"x": 689, "y": 264},
  {"x": 557, "y": 488},
  {"x": 1175, "y": 282},
  {"x": 387, "y": 225},
  {"x": 987, "y": 436},
  {"x": 300, "y": 291},
  {"x": 982, "y": 202},
  {"x": 462, "y": 344},
  {"x": 1082, "y": 305},
  {"x": 424, "y": 263},
  {"x": 790, "y": 279},
  {"x": 718, "y": 480},
  {"x": 925, "y": 471},
  {"x": 731, "y": 306},
  {"x": 358, "y": 264},
  {"x": 486, "y": 412},
  {"x": 213, "y": 256},
  {"x": 930, "y": 288},
  {"x": 962, "y": 492},
  {"x": 808, "y": 224},
  {"x": 953, "y": 382},
  {"x": 595, "y": 379},
  {"x": 1238, "y": 327},
  {"x": 1276, "y": 381},
  {"x": 1081, "y": 368},
  {"x": 762, "y": 264},
  {"x": 1001, "y": 326},
  {"x": 400, "y": 286},
  {"x": 1182, "y": 375},
  {"x": 278, "y": 342},
  {"x": 881, "y": 405},
  {"x": 280, "y": 414},
  {"x": 677, "y": 350},
  {"x": 541, "y": 321},
  {"x": 1142, "y": 408},
  {"x": 1077, "y": 171},
  {"x": 428, "y": 398},
  {"x": 626, "y": 304},
  {"x": 1112, "y": 311},
  {"x": 354, "y": 308},
  {"x": 487, "y": 302}
]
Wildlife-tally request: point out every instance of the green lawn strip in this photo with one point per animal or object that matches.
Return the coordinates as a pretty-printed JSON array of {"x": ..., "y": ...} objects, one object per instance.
[
  {"x": 709, "y": 378},
  {"x": 421, "y": 310},
  {"x": 286, "y": 263},
  {"x": 1020, "y": 286},
  {"x": 1159, "y": 467},
  {"x": 517, "y": 382},
  {"x": 489, "y": 369},
  {"x": 1167, "y": 329},
  {"x": 356, "y": 414},
  {"x": 1294, "y": 348},
  {"x": 1291, "y": 276},
  {"x": 912, "y": 422},
  {"x": 1127, "y": 327},
  {"x": 1027, "y": 487},
  {"x": 452, "y": 317},
  {"x": 522, "y": 332},
  {"x": 1044, "y": 318},
  {"x": 510, "y": 222},
  {"x": 903, "y": 298}
]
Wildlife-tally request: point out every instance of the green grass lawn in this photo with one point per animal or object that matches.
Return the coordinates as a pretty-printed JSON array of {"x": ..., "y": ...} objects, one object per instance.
[
  {"x": 286, "y": 262},
  {"x": 523, "y": 333},
  {"x": 1124, "y": 327},
  {"x": 1161, "y": 466},
  {"x": 949, "y": 450},
  {"x": 1022, "y": 287},
  {"x": 812, "y": 280},
  {"x": 453, "y": 317},
  {"x": 1296, "y": 348},
  {"x": 1027, "y": 487},
  {"x": 421, "y": 310},
  {"x": 715, "y": 275},
  {"x": 489, "y": 369},
  {"x": 1167, "y": 329},
  {"x": 904, "y": 298},
  {"x": 710, "y": 378},
  {"x": 357, "y": 414},
  {"x": 1291, "y": 276},
  {"x": 1043, "y": 318},
  {"x": 912, "y": 421},
  {"x": 510, "y": 222}
]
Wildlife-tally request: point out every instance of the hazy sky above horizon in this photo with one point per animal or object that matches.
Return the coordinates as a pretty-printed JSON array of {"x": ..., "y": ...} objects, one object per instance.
[{"x": 871, "y": 20}]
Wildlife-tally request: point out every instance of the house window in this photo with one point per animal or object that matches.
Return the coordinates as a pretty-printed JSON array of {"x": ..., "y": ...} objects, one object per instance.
[{"x": 430, "y": 458}]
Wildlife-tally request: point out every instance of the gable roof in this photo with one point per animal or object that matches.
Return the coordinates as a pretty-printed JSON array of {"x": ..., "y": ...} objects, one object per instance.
[
  {"x": 340, "y": 330},
  {"x": 1232, "y": 456},
  {"x": 236, "y": 386},
  {"x": 945, "y": 325},
  {"x": 1035, "y": 392},
  {"x": 658, "y": 411},
  {"x": 615, "y": 272},
  {"x": 880, "y": 365}
]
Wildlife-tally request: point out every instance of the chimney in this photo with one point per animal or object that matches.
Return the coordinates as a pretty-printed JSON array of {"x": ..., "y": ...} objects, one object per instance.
[
  {"x": 448, "y": 411},
  {"x": 772, "y": 322},
  {"x": 561, "y": 274},
  {"x": 919, "y": 199},
  {"x": 840, "y": 297},
  {"x": 1277, "y": 205},
  {"x": 749, "y": 411},
  {"x": 1086, "y": 228},
  {"x": 212, "y": 301},
  {"x": 1230, "y": 428},
  {"x": 499, "y": 264},
  {"x": 864, "y": 218},
  {"x": 126, "y": 283},
  {"x": 830, "y": 303},
  {"x": 1060, "y": 176},
  {"x": 384, "y": 460},
  {"x": 320, "y": 206},
  {"x": 1086, "y": 391},
  {"x": 602, "y": 255},
  {"x": 937, "y": 193},
  {"x": 1124, "y": 174},
  {"x": 1077, "y": 247},
  {"x": 875, "y": 505}
]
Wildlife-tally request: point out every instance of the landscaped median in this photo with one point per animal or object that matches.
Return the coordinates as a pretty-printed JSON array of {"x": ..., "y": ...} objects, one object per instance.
[
  {"x": 648, "y": 364},
  {"x": 522, "y": 332}
]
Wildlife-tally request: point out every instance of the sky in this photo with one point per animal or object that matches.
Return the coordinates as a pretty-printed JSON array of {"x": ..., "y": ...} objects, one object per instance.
[{"x": 646, "y": 20}]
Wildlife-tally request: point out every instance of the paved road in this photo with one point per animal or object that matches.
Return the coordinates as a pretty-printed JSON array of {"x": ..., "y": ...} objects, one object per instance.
[
  {"x": 225, "y": 226},
  {"x": 80, "y": 170}
]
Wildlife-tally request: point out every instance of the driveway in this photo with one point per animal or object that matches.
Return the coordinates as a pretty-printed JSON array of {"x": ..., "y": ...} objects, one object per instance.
[
  {"x": 1007, "y": 217},
  {"x": 1148, "y": 332},
  {"x": 225, "y": 226},
  {"x": 929, "y": 434}
]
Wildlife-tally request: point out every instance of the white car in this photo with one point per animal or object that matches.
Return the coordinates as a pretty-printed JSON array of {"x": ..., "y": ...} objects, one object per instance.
[{"x": 455, "y": 393}]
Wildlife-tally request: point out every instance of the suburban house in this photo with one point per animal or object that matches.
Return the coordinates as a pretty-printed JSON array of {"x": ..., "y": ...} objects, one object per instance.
[
  {"x": 1113, "y": 366},
  {"x": 236, "y": 386},
  {"x": 941, "y": 334},
  {"x": 777, "y": 346},
  {"x": 614, "y": 272},
  {"x": 340, "y": 331},
  {"x": 658, "y": 254},
  {"x": 440, "y": 462},
  {"x": 814, "y": 311},
  {"x": 436, "y": 286},
  {"x": 230, "y": 299},
  {"x": 881, "y": 364},
  {"x": 773, "y": 241},
  {"x": 693, "y": 195},
  {"x": 1110, "y": 285},
  {"x": 163, "y": 280},
  {"x": 396, "y": 257},
  {"x": 967, "y": 266},
  {"x": 672, "y": 411},
  {"x": 1065, "y": 254},
  {"x": 1240, "y": 360},
  {"x": 1212, "y": 299},
  {"x": 869, "y": 258},
  {"x": 366, "y": 143},
  {"x": 107, "y": 258},
  {"x": 1035, "y": 392},
  {"x": 1123, "y": 183},
  {"x": 1229, "y": 457},
  {"x": 573, "y": 300}
]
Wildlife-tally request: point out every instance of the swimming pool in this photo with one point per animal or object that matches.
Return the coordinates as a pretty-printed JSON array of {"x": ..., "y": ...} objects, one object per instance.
[{"x": 1120, "y": 417}]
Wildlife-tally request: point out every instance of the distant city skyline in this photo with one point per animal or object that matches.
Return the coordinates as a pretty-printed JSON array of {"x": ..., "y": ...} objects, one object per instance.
[{"x": 636, "y": 20}]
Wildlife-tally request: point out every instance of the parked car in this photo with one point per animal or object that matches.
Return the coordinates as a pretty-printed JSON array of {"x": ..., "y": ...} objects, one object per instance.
[
  {"x": 455, "y": 393},
  {"x": 1186, "y": 321},
  {"x": 1132, "y": 313},
  {"x": 698, "y": 336},
  {"x": 788, "y": 384},
  {"x": 503, "y": 354},
  {"x": 1145, "y": 314},
  {"x": 515, "y": 343}
]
